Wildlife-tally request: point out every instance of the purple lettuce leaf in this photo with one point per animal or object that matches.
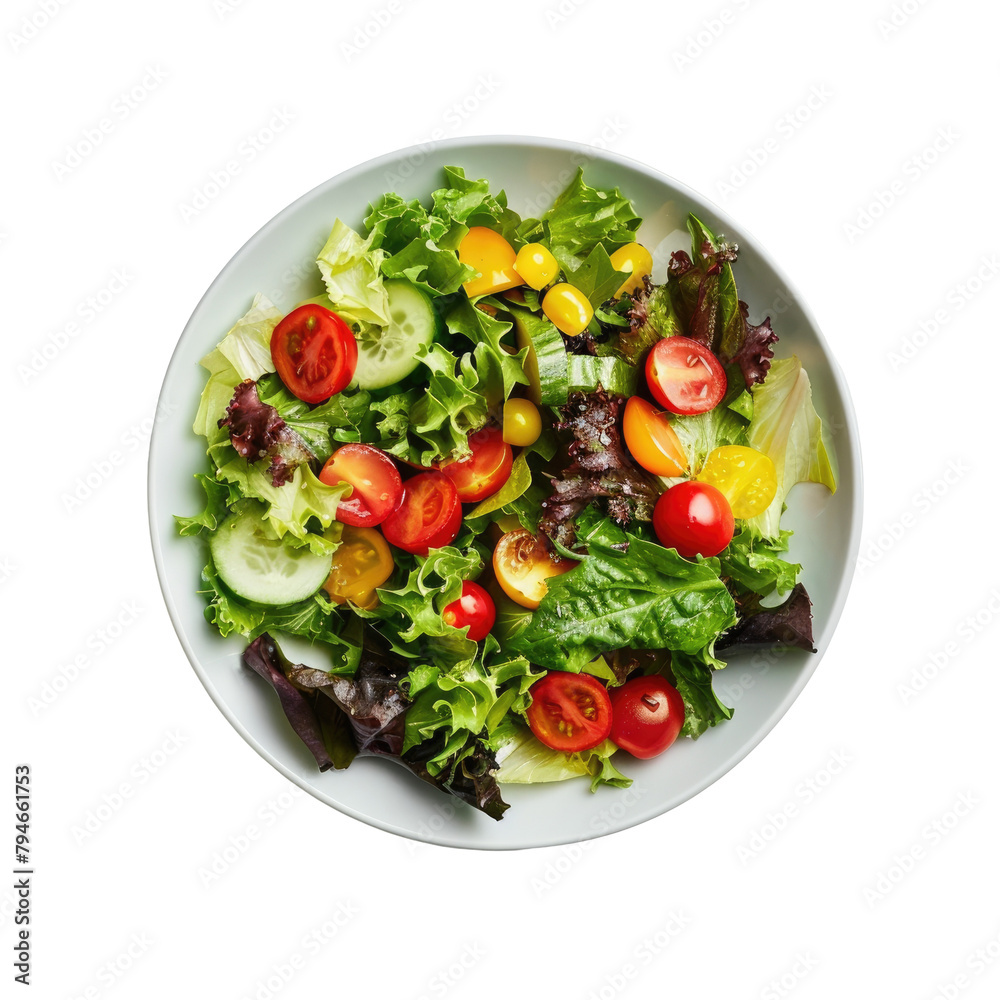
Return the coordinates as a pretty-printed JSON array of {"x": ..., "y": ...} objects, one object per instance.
[
  {"x": 257, "y": 431},
  {"x": 785, "y": 624}
]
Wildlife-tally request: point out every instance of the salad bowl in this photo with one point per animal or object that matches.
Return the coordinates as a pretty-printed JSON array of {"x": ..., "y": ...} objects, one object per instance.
[{"x": 278, "y": 261}]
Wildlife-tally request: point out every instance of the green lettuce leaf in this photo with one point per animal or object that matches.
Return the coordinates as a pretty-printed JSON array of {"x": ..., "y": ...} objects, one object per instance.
[
  {"x": 314, "y": 619},
  {"x": 692, "y": 673},
  {"x": 245, "y": 352},
  {"x": 725, "y": 424},
  {"x": 524, "y": 759},
  {"x": 646, "y": 597},
  {"x": 350, "y": 269},
  {"x": 755, "y": 563},
  {"x": 219, "y": 498},
  {"x": 787, "y": 428},
  {"x": 580, "y": 218}
]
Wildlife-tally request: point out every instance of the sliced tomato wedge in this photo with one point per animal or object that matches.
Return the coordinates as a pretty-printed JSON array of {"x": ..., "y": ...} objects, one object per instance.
[
  {"x": 488, "y": 467},
  {"x": 569, "y": 712},
  {"x": 428, "y": 516},
  {"x": 314, "y": 353},
  {"x": 684, "y": 376},
  {"x": 377, "y": 486}
]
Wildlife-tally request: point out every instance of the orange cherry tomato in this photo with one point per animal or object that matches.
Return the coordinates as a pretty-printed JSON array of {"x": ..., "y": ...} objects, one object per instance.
[
  {"x": 651, "y": 440},
  {"x": 362, "y": 562},
  {"x": 523, "y": 565}
]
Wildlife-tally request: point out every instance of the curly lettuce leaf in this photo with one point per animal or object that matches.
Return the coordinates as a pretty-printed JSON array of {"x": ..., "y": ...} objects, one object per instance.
[
  {"x": 786, "y": 427},
  {"x": 244, "y": 353},
  {"x": 350, "y": 267},
  {"x": 499, "y": 371},
  {"x": 580, "y": 218}
]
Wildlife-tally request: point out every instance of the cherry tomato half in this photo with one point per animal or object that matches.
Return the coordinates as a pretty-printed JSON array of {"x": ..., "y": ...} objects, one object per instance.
[
  {"x": 693, "y": 518},
  {"x": 314, "y": 353},
  {"x": 522, "y": 564},
  {"x": 684, "y": 376},
  {"x": 569, "y": 712},
  {"x": 428, "y": 516},
  {"x": 488, "y": 467},
  {"x": 377, "y": 487},
  {"x": 474, "y": 608},
  {"x": 651, "y": 440},
  {"x": 362, "y": 562},
  {"x": 647, "y": 716}
]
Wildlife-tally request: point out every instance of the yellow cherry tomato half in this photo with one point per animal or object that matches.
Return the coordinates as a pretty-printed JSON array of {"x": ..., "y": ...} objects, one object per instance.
[
  {"x": 536, "y": 265},
  {"x": 361, "y": 563},
  {"x": 522, "y": 423},
  {"x": 493, "y": 257},
  {"x": 651, "y": 440},
  {"x": 522, "y": 564},
  {"x": 568, "y": 309},
  {"x": 633, "y": 257},
  {"x": 745, "y": 476}
]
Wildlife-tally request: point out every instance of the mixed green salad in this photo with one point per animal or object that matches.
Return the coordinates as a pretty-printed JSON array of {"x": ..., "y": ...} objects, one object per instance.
[{"x": 521, "y": 499}]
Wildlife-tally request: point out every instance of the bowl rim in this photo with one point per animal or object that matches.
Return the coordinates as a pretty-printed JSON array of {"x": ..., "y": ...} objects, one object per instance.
[{"x": 593, "y": 153}]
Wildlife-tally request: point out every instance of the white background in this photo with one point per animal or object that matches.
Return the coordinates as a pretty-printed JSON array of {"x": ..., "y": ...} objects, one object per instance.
[{"x": 881, "y": 879}]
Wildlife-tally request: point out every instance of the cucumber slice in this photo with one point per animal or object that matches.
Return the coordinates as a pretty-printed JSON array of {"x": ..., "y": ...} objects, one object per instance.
[
  {"x": 545, "y": 364},
  {"x": 386, "y": 355},
  {"x": 262, "y": 569},
  {"x": 614, "y": 374}
]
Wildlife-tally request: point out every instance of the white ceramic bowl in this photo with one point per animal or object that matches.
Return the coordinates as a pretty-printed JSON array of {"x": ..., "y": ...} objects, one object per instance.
[{"x": 278, "y": 261}]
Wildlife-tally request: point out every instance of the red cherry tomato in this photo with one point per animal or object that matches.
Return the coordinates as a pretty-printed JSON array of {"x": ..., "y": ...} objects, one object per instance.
[
  {"x": 474, "y": 608},
  {"x": 488, "y": 467},
  {"x": 314, "y": 353},
  {"x": 569, "y": 712},
  {"x": 694, "y": 518},
  {"x": 684, "y": 376},
  {"x": 378, "y": 488},
  {"x": 428, "y": 516},
  {"x": 647, "y": 716}
]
